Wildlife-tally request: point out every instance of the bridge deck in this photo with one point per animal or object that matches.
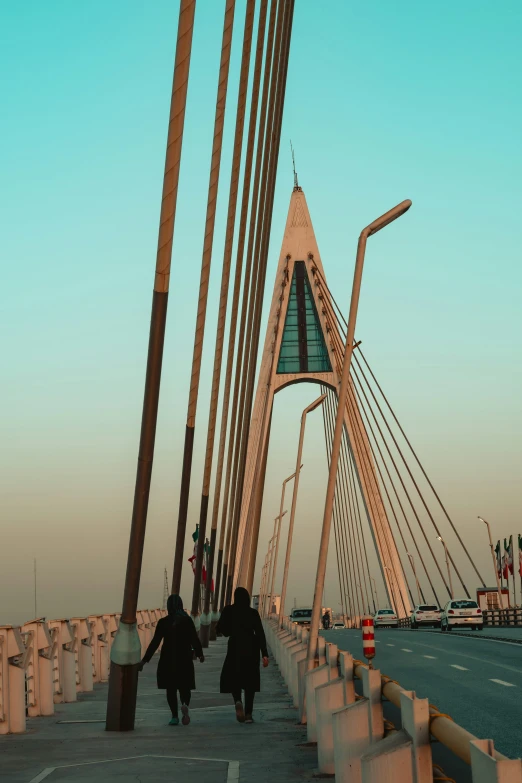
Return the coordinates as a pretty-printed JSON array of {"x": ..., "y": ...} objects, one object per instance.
[{"x": 74, "y": 746}]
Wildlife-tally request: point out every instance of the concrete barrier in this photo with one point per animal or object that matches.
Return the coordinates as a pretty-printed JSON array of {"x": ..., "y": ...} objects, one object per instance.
[
  {"x": 47, "y": 663},
  {"x": 349, "y": 729}
]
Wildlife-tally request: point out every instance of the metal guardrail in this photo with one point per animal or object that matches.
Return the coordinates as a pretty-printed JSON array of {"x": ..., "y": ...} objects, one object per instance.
[
  {"x": 44, "y": 663},
  {"x": 354, "y": 741}
]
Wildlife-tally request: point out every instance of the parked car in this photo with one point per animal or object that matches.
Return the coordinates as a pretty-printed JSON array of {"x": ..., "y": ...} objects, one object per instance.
[
  {"x": 385, "y": 617},
  {"x": 301, "y": 616},
  {"x": 461, "y": 612},
  {"x": 338, "y": 626},
  {"x": 425, "y": 614}
]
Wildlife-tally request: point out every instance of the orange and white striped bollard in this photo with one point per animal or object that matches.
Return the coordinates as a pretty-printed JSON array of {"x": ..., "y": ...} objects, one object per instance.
[{"x": 368, "y": 639}]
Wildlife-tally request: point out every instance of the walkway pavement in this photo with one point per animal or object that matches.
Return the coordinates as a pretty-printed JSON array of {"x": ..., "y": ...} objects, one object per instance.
[{"x": 74, "y": 746}]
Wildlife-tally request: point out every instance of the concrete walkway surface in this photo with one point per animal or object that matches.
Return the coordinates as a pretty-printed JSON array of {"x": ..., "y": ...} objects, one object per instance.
[{"x": 73, "y": 745}]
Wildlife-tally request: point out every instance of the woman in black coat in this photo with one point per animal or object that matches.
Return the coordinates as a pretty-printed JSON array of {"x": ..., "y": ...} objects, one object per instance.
[
  {"x": 175, "y": 667},
  {"x": 246, "y": 644}
]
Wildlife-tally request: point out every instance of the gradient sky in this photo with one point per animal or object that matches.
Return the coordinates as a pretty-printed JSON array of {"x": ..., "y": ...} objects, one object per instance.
[{"x": 385, "y": 101}]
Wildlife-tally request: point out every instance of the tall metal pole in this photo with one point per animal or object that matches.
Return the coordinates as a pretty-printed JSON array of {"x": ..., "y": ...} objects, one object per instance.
[
  {"x": 273, "y": 561},
  {"x": 315, "y": 404},
  {"x": 206, "y": 259},
  {"x": 499, "y": 590},
  {"x": 412, "y": 561},
  {"x": 126, "y": 648},
  {"x": 35, "y": 602},
  {"x": 276, "y": 555},
  {"x": 439, "y": 538},
  {"x": 384, "y": 220}
]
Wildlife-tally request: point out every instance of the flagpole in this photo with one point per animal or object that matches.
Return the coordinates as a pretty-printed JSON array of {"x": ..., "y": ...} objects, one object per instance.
[{"x": 513, "y": 567}]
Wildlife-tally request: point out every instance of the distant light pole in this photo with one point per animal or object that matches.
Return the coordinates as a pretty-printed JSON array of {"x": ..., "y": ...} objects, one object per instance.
[
  {"x": 315, "y": 404},
  {"x": 393, "y": 593},
  {"x": 412, "y": 561},
  {"x": 276, "y": 554},
  {"x": 371, "y": 229},
  {"x": 439, "y": 538},
  {"x": 499, "y": 589},
  {"x": 273, "y": 561}
]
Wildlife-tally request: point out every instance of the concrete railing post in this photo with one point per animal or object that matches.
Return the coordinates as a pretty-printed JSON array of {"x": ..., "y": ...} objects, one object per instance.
[
  {"x": 13, "y": 660},
  {"x": 64, "y": 669},
  {"x": 487, "y": 769},
  {"x": 39, "y": 672}
]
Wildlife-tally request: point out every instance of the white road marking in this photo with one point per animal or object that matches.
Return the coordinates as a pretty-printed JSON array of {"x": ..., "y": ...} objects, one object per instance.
[
  {"x": 460, "y": 668},
  {"x": 390, "y": 645},
  {"x": 503, "y": 682},
  {"x": 433, "y": 657},
  {"x": 232, "y": 766},
  {"x": 405, "y": 649}
]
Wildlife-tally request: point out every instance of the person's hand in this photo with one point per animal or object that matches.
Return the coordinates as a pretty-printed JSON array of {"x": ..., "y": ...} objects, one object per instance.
[
  {"x": 265, "y": 662},
  {"x": 202, "y": 659},
  {"x": 140, "y": 666}
]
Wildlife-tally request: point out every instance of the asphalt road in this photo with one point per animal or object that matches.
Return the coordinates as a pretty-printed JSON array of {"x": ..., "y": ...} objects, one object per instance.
[{"x": 476, "y": 681}]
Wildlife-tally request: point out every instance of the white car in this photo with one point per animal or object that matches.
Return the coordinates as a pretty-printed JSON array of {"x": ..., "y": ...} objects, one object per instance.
[
  {"x": 301, "y": 616},
  {"x": 461, "y": 612},
  {"x": 338, "y": 626},
  {"x": 385, "y": 617},
  {"x": 425, "y": 614}
]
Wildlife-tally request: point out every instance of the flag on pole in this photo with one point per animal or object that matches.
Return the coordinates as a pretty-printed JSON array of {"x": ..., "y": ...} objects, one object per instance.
[
  {"x": 520, "y": 554},
  {"x": 192, "y": 560},
  {"x": 510, "y": 556},
  {"x": 499, "y": 558},
  {"x": 505, "y": 560}
]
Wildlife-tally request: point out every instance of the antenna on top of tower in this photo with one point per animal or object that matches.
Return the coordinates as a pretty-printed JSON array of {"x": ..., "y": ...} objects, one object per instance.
[
  {"x": 296, "y": 182},
  {"x": 165, "y": 589}
]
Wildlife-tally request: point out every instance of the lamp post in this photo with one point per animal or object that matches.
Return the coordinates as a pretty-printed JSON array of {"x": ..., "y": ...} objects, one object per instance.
[
  {"x": 371, "y": 229},
  {"x": 412, "y": 561},
  {"x": 439, "y": 538},
  {"x": 315, "y": 404},
  {"x": 281, "y": 514},
  {"x": 272, "y": 562},
  {"x": 499, "y": 589}
]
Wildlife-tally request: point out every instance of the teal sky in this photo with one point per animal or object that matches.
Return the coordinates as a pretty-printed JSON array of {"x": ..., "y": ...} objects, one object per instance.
[{"x": 385, "y": 101}]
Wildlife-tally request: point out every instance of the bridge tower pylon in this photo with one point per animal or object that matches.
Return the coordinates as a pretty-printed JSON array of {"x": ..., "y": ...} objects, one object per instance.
[{"x": 298, "y": 348}]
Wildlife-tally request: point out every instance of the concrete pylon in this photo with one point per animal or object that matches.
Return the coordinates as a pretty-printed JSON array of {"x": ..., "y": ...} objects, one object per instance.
[{"x": 298, "y": 348}]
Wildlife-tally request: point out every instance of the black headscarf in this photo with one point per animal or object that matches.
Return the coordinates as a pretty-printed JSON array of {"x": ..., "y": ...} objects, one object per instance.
[
  {"x": 241, "y": 598},
  {"x": 175, "y": 606}
]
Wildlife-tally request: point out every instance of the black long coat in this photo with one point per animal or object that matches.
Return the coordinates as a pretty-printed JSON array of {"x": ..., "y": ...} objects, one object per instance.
[
  {"x": 246, "y": 644},
  {"x": 180, "y": 638}
]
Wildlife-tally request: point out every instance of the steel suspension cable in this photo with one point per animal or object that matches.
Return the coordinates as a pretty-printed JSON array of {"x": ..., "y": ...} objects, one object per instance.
[
  {"x": 254, "y": 241},
  {"x": 220, "y": 331},
  {"x": 203, "y": 291},
  {"x": 335, "y": 517},
  {"x": 409, "y": 444},
  {"x": 343, "y": 509},
  {"x": 236, "y": 415},
  {"x": 271, "y": 170}
]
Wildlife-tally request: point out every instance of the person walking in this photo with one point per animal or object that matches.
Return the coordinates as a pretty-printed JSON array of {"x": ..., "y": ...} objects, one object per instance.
[
  {"x": 246, "y": 643},
  {"x": 175, "y": 667}
]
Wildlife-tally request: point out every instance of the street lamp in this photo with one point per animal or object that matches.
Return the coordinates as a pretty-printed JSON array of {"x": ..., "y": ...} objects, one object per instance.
[
  {"x": 283, "y": 489},
  {"x": 371, "y": 229},
  {"x": 439, "y": 538},
  {"x": 271, "y": 567},
  {"x": 499, "y": 589},
  {"x": 412, "y": 561},
  {"x": 315, "y": 404}
]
